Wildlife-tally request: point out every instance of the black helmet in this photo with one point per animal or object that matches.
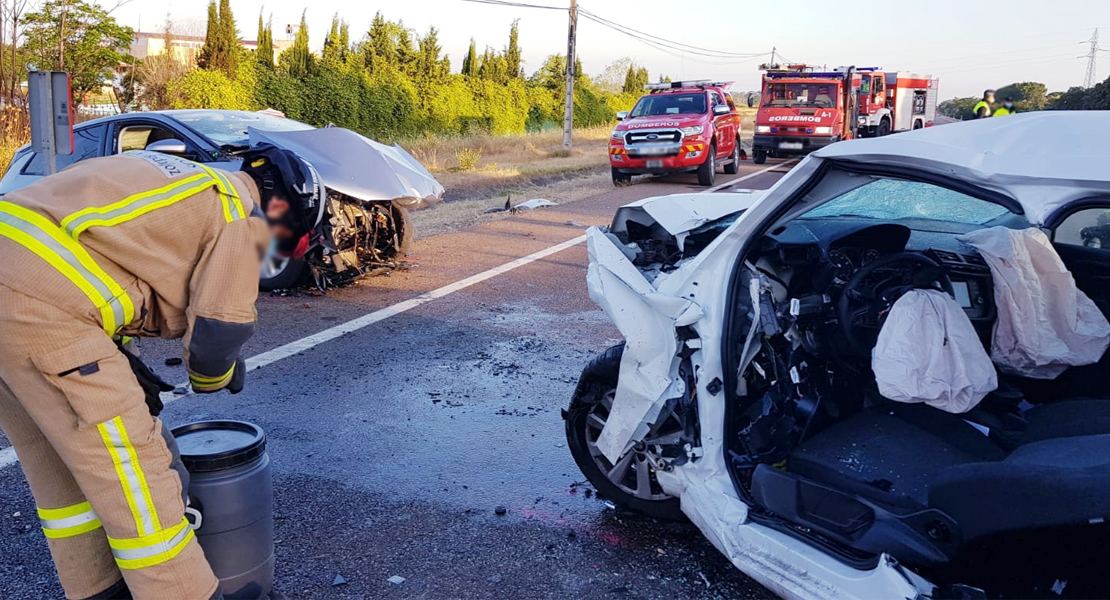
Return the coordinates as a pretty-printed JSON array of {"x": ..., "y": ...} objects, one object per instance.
[
  {"x": 279, "y": 171},
  {"x": 988, "y": 93}
]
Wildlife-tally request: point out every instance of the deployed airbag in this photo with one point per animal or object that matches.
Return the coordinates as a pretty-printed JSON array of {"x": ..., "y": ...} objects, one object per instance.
[
  {"x": 929, "y": 352},
  {"x": 1045, "y": 323}
]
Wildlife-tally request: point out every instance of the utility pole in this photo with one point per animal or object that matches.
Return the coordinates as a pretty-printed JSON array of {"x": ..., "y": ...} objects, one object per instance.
[
  {"x": 568, "y": 108},
  {"x": 773, "y": 55},
  {"x": 1091, "y": 78}
]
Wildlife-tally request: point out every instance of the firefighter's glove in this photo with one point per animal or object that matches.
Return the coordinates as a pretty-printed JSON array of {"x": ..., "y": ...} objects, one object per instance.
[{"x": 151, "y": 383}]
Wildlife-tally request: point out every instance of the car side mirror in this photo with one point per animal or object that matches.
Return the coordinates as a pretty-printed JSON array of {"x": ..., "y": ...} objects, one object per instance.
[
  {"x": 721, "y": 110},
  {"x": 622, "y": 115},
  {"x": 174, "y": 147}
]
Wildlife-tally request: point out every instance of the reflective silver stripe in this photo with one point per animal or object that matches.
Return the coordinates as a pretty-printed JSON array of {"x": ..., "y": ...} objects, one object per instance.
[
  {"x": 126, "y": 462},
  {"x": 136, "y": 206},
  {"x": 153, "y": 549},
  {"x": 85, "y": 517},
  {"x": 64, "y": 253}
]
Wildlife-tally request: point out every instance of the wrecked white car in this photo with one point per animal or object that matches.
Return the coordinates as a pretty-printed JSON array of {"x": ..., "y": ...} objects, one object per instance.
[{"x": 885, "y": 377}]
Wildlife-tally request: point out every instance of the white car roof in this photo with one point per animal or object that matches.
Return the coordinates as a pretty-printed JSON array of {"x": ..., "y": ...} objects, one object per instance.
[{"x": 1044, "y": 159}]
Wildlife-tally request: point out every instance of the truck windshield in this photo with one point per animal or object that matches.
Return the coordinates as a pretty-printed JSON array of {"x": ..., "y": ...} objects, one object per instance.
[
  {"x": 800, "y": 95},
  {"x": 670, "y": 104}
]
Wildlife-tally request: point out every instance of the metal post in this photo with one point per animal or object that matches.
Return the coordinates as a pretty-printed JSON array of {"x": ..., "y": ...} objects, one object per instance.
[
  {"x": 568, "y": 108},
  {"x": 40, "y": 102}
]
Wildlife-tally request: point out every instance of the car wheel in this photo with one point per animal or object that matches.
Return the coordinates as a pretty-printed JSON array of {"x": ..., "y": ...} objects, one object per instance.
[
  {"x": 759, "y": 157},
  {"x": 884, "y": 128},
  {"x": 707, "y": 172},
  {"x": 630, "y": 482},
  {"x": 282, "y": 273},
  {"x": 733, "y": 167},
  {"x": 621, "y": 179}
]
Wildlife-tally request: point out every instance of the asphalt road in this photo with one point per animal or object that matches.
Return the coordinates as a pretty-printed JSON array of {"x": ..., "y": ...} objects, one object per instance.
[{"x": 392, "y": 445}]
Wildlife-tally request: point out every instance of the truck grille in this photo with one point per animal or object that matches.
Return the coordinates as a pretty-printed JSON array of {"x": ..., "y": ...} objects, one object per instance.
[{"x": 669, "y": 136}]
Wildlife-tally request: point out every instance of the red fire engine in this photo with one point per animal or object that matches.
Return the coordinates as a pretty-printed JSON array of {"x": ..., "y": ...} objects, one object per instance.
[{"x": 802, "y": 109}]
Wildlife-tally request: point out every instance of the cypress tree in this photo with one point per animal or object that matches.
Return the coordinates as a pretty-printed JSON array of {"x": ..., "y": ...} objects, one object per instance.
[
  {"x": 299, "y": 56},
  {"x": 265, "y": 43},
  {"x": 204, "y": 59},
  {"x": 470, "y": 62},
  {"x": 229, "y": 40},
  {"x": 513, "y": 62}
]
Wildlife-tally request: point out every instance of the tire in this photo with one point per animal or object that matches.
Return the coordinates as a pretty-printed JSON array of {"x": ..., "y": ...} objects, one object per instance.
[
  {"x": 283, "y": 275},
  {"x": 733, "y": 167},
  {"x": 595, "y": 390},
  {"x": 707, "y": 171},
  {"x": 884, "y": 128},
  {"x": 620, "y": 179},
  {"x": 759, "y": 156}
]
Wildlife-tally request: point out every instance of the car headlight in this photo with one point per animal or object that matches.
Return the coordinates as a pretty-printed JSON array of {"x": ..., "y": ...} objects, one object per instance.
[
  {"x": 822, "y": 130},
  {"x": 763, "y": 129},
  {"x": 617, "y": 135},
  {"x": 694, "y": 130}
]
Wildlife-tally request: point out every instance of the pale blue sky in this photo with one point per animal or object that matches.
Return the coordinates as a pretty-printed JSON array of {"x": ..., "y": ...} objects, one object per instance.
[{"x": 968, "y": 44}]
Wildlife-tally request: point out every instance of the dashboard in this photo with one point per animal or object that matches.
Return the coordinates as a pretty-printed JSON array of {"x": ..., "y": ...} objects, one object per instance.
[{"x": 823, "y": 254}]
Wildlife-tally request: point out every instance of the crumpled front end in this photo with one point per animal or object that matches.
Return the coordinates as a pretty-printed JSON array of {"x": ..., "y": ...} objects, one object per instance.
[{"x": 670, "y": 309}]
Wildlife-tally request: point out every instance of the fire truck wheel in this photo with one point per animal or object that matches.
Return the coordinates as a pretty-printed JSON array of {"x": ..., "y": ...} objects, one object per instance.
[
  {"x": 621, "y": 179},
  {"x": 733, "y": 167},
  {"x": 707, "y": 171},
  {"x": 884, "y": 128},
  {"x": 759, "y": 157}
]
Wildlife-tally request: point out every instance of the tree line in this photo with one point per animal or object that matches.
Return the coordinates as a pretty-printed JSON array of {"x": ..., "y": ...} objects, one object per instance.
[
  {"x": 391, "y": 83},
  {"x": 1030, "y": 96}
]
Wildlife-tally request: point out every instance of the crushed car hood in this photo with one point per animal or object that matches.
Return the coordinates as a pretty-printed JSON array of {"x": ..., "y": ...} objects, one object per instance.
[
  {"x": 682, "y": 213},
  {"x": 1044, "y": 160},
  {"x": 357, "y": 166}
]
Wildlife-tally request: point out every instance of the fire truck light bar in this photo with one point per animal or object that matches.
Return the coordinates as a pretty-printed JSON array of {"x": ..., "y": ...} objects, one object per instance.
[{"x": 671, "y": 85}]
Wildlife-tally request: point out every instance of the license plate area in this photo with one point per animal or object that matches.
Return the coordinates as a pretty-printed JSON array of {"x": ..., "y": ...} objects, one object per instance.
[
  {"x": 790, "y": 145},
  {"x": 655, "y": 164}
]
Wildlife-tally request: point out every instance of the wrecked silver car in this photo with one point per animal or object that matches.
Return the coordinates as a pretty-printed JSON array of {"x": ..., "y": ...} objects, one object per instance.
[
  {"x": 885, "y": 377},
  {"x": 371, "y": 186}
]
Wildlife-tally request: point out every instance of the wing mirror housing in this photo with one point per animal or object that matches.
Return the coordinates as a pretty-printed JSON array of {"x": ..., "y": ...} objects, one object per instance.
[
  {"x": 721, "y": 110},
  {"x": 174, "y": 147},
  {"x": 622, "y": 115}
]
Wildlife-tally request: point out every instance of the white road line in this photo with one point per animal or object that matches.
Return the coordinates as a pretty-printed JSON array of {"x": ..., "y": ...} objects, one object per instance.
[
  {"x": 7, "y": 455},
  {"x": 749, "y": 176}
]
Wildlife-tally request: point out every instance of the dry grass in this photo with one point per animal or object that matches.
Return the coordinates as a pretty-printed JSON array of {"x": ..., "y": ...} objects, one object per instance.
[
  {"x": 15, "y": 130},
  {"x": 508, "y": 161}
]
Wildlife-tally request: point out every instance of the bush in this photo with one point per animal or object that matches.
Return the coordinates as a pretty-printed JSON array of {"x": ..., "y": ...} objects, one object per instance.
[
  {"x": 210, "y": 89},
  {"x": 467, "y": 158}
]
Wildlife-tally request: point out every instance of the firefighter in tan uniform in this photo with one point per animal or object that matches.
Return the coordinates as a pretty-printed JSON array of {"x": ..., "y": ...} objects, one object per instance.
[{"x": 141, "y": 244}]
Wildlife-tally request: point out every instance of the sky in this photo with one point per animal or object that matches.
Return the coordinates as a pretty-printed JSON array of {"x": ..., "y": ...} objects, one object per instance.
[{"x": 968, "y": 45}]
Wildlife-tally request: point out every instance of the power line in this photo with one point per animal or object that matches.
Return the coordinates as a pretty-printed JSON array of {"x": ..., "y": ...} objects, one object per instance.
[
  {"x": 1091, "y": 78},
  {"x": 670, "y": 43},
  {"x": 514, "y": 4},
  {"x": 681, "y": 52}
]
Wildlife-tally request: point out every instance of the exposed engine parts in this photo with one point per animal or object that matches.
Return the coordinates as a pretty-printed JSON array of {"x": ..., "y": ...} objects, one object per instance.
[{"x": 361, "y": 238}]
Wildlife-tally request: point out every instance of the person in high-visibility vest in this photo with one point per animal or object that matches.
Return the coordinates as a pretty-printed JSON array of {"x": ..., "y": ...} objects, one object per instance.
[
  {"x": 1007, "y": 108},
  {"x": 982, "y": 110},
  {"x": 138, "y": 244}
]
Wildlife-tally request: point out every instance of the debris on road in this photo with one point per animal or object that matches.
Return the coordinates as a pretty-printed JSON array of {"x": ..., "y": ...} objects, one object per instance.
[
  {"x": 495, "y": 578},
  {"x": 173, "y": 361},
  {"x": 339, "y": 580},
  {"x": 535, "y": 203},
  {"x": 500, "y": 511},
  {"x": 396, "y": 580},
  {"x": 180, "y": 390}
]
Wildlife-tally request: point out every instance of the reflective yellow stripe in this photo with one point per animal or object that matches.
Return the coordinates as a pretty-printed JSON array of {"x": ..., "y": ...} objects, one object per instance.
[
  {"x": 229, "y": 196},
  {"x": 150, "y": 550},
  {"x": 39, "y": 235},
  {"x": 207, "y": 383},
  {"x": 70, "y": 521},
  {"x": 136, "y": 205},
  {"x": 131, "y": 477}
]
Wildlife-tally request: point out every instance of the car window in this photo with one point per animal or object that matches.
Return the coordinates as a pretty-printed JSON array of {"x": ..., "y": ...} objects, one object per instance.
[
  {"x": 229, "y": 127},
  {"x": 139, "y": 136},
  {"x": 670, "y": 104},
  {"x": 897, "y": 199},
  {"x": 1088, "y": 227},
  {"x": 87, "y": 143}
]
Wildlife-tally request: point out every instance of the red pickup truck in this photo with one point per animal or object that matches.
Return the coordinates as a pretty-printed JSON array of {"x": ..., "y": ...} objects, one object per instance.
[{"x": 676, "y": 128}]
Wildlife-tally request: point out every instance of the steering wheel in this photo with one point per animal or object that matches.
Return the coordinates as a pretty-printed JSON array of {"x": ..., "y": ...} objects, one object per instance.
[{"x": 861, "y": 306}]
